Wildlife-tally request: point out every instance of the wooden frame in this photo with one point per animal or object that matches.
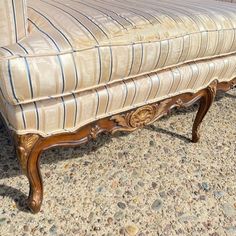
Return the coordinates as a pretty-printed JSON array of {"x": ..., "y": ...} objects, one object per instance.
[{"x": 30, "y": 146}]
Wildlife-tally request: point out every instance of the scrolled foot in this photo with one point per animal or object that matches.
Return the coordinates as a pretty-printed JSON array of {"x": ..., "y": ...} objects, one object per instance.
[
  {"x": 35, "y": 202},
  {"x": 36, "y": 184}
]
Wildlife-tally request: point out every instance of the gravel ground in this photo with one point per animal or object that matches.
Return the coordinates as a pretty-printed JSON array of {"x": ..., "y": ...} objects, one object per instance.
[{"x": 151, "y": 182}]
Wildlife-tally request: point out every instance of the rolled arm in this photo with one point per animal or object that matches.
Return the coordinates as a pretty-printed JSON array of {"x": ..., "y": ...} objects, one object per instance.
[{"x": 13, "y": 21}]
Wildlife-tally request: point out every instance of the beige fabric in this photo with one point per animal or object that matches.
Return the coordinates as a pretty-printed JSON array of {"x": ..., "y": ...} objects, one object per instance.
[
  {"x": 84, "y": 60},
  {"x": 79, "y": 45},
  {"x": 66, "y": 114},
  {"x": 13, "y": 21}
]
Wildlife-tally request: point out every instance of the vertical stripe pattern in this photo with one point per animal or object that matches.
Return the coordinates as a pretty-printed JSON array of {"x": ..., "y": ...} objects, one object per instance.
[
  {"x": 66, "y": 114},
  {"x": 86, "y": 60},
  {"x": 13, "y": 21},
  {"x": 75, "y": 46}
]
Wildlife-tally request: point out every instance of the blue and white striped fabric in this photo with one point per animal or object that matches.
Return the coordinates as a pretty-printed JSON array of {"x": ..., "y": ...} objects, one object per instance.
[
  {"x": 84, "y": 60},
  {"x": 13, "y": 21}
]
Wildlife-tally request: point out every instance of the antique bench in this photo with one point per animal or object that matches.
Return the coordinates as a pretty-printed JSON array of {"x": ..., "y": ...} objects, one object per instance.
[{"x": 71, "y": 69}]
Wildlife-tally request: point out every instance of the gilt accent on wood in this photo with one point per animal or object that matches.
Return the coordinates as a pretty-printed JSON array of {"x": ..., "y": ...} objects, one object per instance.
[
  {"x": 140, "y": 117},
  {"x": 24, "y": 147}
]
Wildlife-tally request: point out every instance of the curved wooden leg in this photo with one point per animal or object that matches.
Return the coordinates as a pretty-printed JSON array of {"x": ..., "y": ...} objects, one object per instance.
[
  {"x": 36, "y": 184},
  {"x": 29, "y": 152},
  {"x": 205, "y": 103}
]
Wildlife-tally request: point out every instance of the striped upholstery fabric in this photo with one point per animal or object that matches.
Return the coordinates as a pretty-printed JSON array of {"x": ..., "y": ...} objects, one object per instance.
[
  {"x": 66, "y": 114},
  {"x": 78, "y": 45},
  {"x": 84, "y": 60},
  {"x": 13, "y": 21}
]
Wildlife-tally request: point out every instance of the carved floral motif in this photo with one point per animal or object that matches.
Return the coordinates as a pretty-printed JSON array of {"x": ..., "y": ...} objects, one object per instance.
[
  {"x": 141, "y": 116},
  {"x": 95, "y": 131}
]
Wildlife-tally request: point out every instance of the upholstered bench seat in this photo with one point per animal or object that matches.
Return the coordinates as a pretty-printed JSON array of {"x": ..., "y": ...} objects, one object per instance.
[
  {"x": 68, "y": 113},
  {"x": 70, "y": 69},
  {"x": 84, "y": 60}
]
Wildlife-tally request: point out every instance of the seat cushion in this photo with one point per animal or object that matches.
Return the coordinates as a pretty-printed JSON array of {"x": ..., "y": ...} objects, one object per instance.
[
  {"x": 76, "y": 46},
  {"x": 69, "y": 113},
  {"x": 13, "y": 21}
]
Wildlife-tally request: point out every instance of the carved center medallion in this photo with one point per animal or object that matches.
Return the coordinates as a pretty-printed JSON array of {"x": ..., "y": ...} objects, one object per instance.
[{"x": 142, "y": 116}]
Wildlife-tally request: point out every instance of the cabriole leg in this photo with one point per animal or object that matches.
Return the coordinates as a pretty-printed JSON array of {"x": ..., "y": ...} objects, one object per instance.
[
  {"x": 205, "y": 104},
  {"x": 36, "y": 184},
  {"x": 29, "y": 155}
]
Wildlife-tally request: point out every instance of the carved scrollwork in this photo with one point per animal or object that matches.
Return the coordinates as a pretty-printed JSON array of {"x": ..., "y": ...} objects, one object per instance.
[
  {"x": 213, "y": 87},
  {"x": 233, "y": 84},
  {"x": 95, "y": 131},
  {"x": 25, "y": 144},
  {"x": 140, "y": 117},
  {"x": 226, "y": 86},
  {"x": 135, "y": 119},
  {"x": 180, "y": 103}
]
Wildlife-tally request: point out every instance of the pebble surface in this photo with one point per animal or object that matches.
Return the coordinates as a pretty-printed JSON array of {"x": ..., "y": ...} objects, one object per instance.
[{"x": 151, "y": 182}]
